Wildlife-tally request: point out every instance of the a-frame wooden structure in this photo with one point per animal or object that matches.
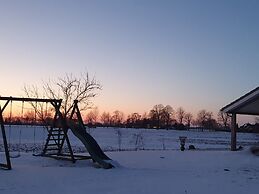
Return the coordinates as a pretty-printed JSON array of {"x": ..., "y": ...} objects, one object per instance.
[{"x": 57, "y": 136}]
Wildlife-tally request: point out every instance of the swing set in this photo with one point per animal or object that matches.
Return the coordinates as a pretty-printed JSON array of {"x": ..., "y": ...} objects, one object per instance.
[
  {"x": 10, "y": 120},
  {"x": 57, "y": 134}
]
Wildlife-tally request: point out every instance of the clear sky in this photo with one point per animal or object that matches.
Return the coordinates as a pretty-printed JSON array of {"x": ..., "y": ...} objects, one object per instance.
[{"x": 195, "y": 54}]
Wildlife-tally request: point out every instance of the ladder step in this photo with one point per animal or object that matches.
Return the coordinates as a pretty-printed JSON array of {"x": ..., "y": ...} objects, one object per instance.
[
  {"x": 50, "y": 154},
  {"x": 53, "y": 144},
  {"x": 56, "y": 134},
  {"x": 51, "y": 149},
  {"x": 56, "y": 137},
  {"x": 56, "y": 130},
  {"x": 54, "y": 140}
]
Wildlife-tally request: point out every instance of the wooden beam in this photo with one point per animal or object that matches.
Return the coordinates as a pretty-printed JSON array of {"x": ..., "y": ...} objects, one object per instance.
[
  {"x": 29, "y": 99},
  {"x": 234, "y": 132},
  {"x": 5, "y": 105}
]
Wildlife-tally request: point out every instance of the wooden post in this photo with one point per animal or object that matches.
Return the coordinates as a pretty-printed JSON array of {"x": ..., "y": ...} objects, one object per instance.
[
  {"x": 7, "y": 155},
  {"x": 233, "y": 132}
]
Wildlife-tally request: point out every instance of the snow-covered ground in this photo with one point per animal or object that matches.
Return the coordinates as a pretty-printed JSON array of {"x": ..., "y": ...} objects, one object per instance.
[
  {"x": 159, "y": 168},
  {"x": 150, "y": 172},
  {"x": 132, "y": 139}
]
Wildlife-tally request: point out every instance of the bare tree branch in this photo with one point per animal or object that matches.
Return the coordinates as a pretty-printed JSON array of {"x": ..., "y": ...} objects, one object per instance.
[{"x": 69, "y": 88}]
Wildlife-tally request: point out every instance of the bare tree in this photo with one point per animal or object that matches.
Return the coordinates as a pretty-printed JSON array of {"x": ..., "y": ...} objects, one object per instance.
[
  {"x": 144, "y": 116},
  {"x": 69, "y": 88},
  {"x": 92, "y": 116},
  {"x": 203, "y": 115},
  {"x": 106, "y": 118},
  {"x": 188, "y": 119},
  {"x": 117, "y": 118},
  {"x": 167, "y": 114},
  {"x": 134, "y": 119},
  {"x": 224, "y": 119},
  {"x": 156, "y": 114},
  {"x": 180, "y": 115},
  {"x": 205, "y": 119}
]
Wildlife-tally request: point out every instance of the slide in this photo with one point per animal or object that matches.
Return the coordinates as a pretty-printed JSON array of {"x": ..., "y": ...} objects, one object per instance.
[{"x": 91, "y": 145}]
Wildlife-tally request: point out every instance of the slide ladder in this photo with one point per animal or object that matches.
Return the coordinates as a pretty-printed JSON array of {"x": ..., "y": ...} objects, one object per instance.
[{"x": 54, "y": 142}]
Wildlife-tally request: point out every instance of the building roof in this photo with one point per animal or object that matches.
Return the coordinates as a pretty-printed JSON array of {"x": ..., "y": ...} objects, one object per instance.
[{"x": 247, "y": 104}]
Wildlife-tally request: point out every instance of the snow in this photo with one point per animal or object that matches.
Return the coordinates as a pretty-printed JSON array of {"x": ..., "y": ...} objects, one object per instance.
[
  {"x": 149, "y": 139},
  {"x": 211, "y": 169}
]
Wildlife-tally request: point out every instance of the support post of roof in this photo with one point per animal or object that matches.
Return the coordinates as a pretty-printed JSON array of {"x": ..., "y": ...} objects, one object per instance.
[{"x": 234, "y": 132}]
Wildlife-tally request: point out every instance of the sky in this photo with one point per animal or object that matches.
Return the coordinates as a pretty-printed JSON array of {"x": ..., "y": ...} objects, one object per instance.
[{"x": 198, "y": 54}]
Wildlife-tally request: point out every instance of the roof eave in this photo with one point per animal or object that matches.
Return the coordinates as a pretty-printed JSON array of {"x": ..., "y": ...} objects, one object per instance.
[{"x": 241, "y": 102}]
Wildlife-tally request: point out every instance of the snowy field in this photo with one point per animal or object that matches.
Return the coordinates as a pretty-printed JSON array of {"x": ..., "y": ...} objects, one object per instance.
[
  {"x": 27, "y": 138},
  {"x": 156, "y": 167}
]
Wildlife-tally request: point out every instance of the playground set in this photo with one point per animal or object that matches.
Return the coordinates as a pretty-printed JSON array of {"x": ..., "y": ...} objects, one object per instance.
[{"x": 58, "y": 134}]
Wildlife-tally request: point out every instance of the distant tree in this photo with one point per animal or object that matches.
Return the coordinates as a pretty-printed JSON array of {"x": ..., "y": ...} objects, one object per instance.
[
  {"x": 117, "y": 118},
  {"x": 134, "y": 120},
  {"x": 135, "y": 117},
  {"x": 257, "y": 120},
  {"x": 92, "y": 116},
  {"x": 224, "y": 119},
  {"x": 205, "y": 119},
  {"x": 156, "y": 115},
  {"x": 106, "y": 119},
  {"x": 203, "y": 115},
  {"x": 166, "y": 117},
  {"x": 144, "y": 115},
  {"x": 145, "y": 121},
  {"x": 188, "y": 119},
  {"x": 180, "y": 113}
]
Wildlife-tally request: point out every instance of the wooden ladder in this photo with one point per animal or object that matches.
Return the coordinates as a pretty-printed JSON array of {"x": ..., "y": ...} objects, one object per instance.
[{"x": 54, "y": 142}]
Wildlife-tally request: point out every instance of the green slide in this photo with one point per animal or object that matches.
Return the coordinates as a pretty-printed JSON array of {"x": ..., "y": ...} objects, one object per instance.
[{"x": 91, "y": 145}]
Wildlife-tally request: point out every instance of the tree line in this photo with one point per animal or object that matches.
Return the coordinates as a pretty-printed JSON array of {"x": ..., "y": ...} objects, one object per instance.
[
  {"x": 159, "y": 117},
  {"x": 83, "y": 88}
]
